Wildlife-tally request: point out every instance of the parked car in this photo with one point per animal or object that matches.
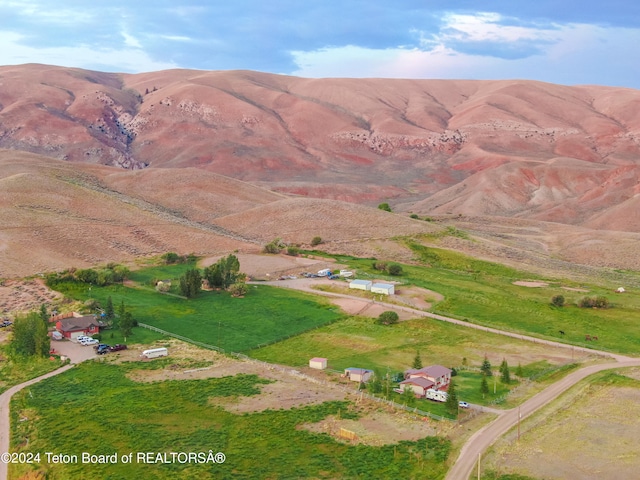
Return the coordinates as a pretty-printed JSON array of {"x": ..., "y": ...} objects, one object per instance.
[
  {"x": 90, "y": 341},
  {"x": 463, "y": 404},
  {"x": 82, "y": 338},
  {"x": 102, "y": 349},
  {"x": 100, "y": 345},
  {"x": 117, "y": 347},
  {"x": 5, "y": 323}
]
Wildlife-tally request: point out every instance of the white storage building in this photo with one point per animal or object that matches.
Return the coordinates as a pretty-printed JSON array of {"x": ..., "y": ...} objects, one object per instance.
[
  {"x": 361, "y": 284},
  {"x": 318, "y": 363},
  {"x": 383, "y": 288}
]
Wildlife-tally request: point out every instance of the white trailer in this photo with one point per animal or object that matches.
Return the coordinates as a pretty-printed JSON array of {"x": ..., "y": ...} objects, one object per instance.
[
  {"x": 155, "y": 353},
  {"x": 325, "y": 272},
  {"x": 436, "y": 395}
]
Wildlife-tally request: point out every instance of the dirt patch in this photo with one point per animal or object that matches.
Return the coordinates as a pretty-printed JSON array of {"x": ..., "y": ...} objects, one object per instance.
[
  {"x": 290, "y": 388},
  {"x": 377, "y": 428},
  {"x": 20, "y": 296},
  {"x": 571, "y": 289},
  {"x": 270, "y": 267},
  {"x": 367, "y": 308},
  {"x": 523, "y": 283}
]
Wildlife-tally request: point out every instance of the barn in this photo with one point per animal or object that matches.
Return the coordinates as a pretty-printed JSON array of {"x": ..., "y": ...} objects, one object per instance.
[{"x": 357, "y": 374}]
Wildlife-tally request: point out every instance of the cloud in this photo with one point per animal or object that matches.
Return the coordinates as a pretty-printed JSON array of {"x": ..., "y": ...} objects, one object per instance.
[
  {"x": 129, "y": 60},
  {"x": 567, "y": 54}
]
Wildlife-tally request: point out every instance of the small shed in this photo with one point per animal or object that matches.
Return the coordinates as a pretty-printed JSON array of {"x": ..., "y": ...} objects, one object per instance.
[
  {"x": 318, "y": 363},
  {"x": 383, "y": 288},
  {"x": 358, "y": 374},
  {"x": 361, "y": 284}
]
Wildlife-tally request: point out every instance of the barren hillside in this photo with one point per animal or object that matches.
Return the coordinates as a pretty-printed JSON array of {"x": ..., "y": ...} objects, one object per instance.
[{"x": 509, "y": 148}]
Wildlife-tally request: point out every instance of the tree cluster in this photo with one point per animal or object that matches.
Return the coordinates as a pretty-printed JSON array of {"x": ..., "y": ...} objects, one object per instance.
[
  {"x": 390, "y": 268},
  {"x": 107, "y": 275},
  {"x": 594, "y": 302},
  {"x": 191, "y": 283},
  {"x": 30, "y": 335},
  {"x": 224, "y": 273},
  {"x": 274, "y": 246}
]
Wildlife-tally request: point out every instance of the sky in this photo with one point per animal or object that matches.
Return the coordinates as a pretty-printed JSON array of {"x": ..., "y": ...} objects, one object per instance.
[{"x": 570, "y": 42}]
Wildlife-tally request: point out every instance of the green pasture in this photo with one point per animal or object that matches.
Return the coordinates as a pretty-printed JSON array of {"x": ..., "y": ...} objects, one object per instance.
[
  {"x": 95, "y": 408},
  {"x": 15, "y": 369},
  {"x": 265, "y": 315},
  {"x": 483, "y": 292}
]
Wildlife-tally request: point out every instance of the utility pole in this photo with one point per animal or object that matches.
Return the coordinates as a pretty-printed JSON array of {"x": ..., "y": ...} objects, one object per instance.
[
  {"x": 519, "y": 417},
  {"x": 478, "y": 466}
]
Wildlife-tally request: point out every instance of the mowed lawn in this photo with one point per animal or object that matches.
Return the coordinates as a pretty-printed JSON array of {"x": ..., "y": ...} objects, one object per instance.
[
  {"x": 96, "y": 408},
  {"x": 265, "y": 315}
]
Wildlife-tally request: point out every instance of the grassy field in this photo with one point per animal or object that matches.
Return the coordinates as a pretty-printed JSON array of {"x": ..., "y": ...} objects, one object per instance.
[
  {"x": 17, "y": 369},
  {"x": 95, "y": 408},
  {"x": 359, "y": 342},
  {"x": 591, "y": 431},
  {"x": 483, "y": 292},
  {"x": 265, "y": 315}
]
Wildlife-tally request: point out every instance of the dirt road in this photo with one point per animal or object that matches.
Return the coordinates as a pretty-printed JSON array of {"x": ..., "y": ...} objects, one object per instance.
[
  {"x": 485, "y": 437},
  {"x": 5, "y": 399}
]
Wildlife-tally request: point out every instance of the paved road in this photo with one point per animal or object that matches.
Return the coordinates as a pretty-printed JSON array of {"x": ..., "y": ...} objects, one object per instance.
[
  {"x": 5, "y": 398},
  {"x": 486, "y": 436}
]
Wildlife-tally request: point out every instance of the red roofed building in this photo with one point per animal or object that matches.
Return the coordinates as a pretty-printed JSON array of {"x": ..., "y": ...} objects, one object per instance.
[
  {"x": 74, "y": 327},
  {"x": 439, "y": 375}
]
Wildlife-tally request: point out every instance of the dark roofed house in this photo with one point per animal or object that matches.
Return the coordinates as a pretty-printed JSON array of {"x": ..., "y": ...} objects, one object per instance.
[
  {"x": 74, "y": 327},
  {"x": 439, "y": 375}
]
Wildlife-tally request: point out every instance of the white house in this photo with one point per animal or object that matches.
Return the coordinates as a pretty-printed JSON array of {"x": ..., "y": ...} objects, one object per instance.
[
  {"x": 361, "y": 284},
  {"x": 383, "y": 288},
  {"x": 318, "y": 363}
]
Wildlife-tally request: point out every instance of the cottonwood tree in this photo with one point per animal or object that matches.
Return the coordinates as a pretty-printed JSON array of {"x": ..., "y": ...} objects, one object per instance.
[
  {"x": 224, "y": 273},
  {"x": 30, "y": 336},
  {"x": 191, "y": 283}
]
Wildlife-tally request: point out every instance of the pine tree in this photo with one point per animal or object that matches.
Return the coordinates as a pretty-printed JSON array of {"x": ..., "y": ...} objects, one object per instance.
[
  {"x": 505, "y": 376},
  {"x": 109, "y": 311},
  {"x": 452, "y": 399},
  {"x": 486, "y": 367},
  {"x": 519, "y": 371},
  {"x": 417, "y": 362}
]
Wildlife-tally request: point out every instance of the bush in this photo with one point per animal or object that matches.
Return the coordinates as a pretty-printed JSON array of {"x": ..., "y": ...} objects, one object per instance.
[
  {"x": 293, "y": 250},
  {"x": 557, "y": 300},
  {"x": 394, "y": 269},
  {"x": 275, "y": 246},
  {"x": 387, "y": 318},
  {"x": 384, "y": 206},
  {"x": 414, "y": 216},
  {"x": 316, "y": 241}
]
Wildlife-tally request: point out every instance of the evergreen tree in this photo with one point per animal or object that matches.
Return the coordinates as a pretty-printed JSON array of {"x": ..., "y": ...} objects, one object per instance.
[
  {"x": 486, "y": 367},
  {"x": 452, "y": 399},
  {"x": 505, "y": 376},
  {"x": 126, "y": 325},
  {"x": 109, "y": 311},
  {"x": 484, "y": 386},
  {"x": 417, "y": 362},
  {"x": 519, "y": 371}
]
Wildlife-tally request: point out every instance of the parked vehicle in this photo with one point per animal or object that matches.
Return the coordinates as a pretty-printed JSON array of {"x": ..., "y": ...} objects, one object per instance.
[
  {"x": 117, "y": 347},
  {"x": 333, "y": 277},
  {"x": 155, "y": 353},
  {"x": 82, "y": 338},
  {"x": 102, "y": 349},
  {"x": 5, "y": 323},
  {"x": 324, "y": 273},
  {"x": 463, "y": 404},
  {"x": 436, "y": 395},
  {"x": 89, "y": 342},
  {"x": 100, "y": 345}
]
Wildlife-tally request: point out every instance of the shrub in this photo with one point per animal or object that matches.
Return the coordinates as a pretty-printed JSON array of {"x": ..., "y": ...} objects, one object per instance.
[
  {"x": 387, "y": 318},
  {"x": 293, "y": 250},
  {"x": 316, "y": 241},
  {"x": 414, "y": 216},
  {"x": 394, "y": 269},
  {"x": 557, "y": 300},
  {"x": 384, "y": 206}
]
